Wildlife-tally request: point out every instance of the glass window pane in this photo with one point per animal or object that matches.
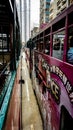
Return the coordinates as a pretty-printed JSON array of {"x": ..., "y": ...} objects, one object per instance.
[
  {"x": 58, "y": 43},
  {"x": 47, "y": 45},
  {"x": 70, "y": 46}
]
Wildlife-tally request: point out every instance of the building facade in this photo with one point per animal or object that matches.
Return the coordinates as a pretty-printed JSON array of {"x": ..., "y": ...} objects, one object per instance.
[
  {"x": 53, "y": 10},
  {"x": 62, "y": 4},
  {"x": 57, "y": 6},
  {"x": 44, "y": 11},
  {"x": 34, "y": 31}
]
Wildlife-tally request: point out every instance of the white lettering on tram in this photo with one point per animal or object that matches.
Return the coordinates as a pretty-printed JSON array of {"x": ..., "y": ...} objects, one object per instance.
[{"x": 56, "y": 70}]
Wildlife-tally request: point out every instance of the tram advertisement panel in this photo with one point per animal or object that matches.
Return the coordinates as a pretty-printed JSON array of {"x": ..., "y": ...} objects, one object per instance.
[{"x": 57, "y": 73}]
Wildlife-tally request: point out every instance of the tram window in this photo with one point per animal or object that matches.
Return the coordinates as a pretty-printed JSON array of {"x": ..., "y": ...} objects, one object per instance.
[
  {"x": 37, "y": 46},
  {"x": 60, "y": 24},
  {"x": 58, "y": 43},
  {"x": 70, "y": 46},
  {"x": 47, "y": 48},
  {"x": 66, "y": 120},
  {"x": 70, "y": 18},
  {"x": 3, "y": 42},
  {"x": 70, "y": 51},
  {"x": 47, "y": 45},
  {"x": 41, "y": 47}
]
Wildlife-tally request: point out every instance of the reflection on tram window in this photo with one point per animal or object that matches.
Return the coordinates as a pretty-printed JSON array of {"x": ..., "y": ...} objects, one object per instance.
[
  {"x": 47, "y": 45},
  {"x": 58, "y": 43},
  {"x": 47, "y": 48}
]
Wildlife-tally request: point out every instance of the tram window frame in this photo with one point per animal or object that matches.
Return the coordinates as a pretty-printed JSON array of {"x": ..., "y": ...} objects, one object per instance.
[{"x": 57, "y": 51}]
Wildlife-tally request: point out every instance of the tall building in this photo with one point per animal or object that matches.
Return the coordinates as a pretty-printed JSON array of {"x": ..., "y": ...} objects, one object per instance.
[
  {"x": 34, "y": 31},
  {"x": 53, "y": 10},
  {"x": 57, "y": 6},
  {"x": 62, "y": 4},
  {"x": 44, "y": 12}
]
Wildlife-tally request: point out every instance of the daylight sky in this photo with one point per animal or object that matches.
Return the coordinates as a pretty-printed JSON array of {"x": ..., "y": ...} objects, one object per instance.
[
  {"x": 35, "y": 8},
  {"x": 34, "y": 15}
]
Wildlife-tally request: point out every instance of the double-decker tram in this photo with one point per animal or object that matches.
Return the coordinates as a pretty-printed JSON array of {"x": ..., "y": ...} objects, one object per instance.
[{"x": 53, "y": 71}]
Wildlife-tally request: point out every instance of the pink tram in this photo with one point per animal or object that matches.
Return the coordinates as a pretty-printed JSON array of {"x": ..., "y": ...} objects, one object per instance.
[{"x": 52, "y": 72}]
